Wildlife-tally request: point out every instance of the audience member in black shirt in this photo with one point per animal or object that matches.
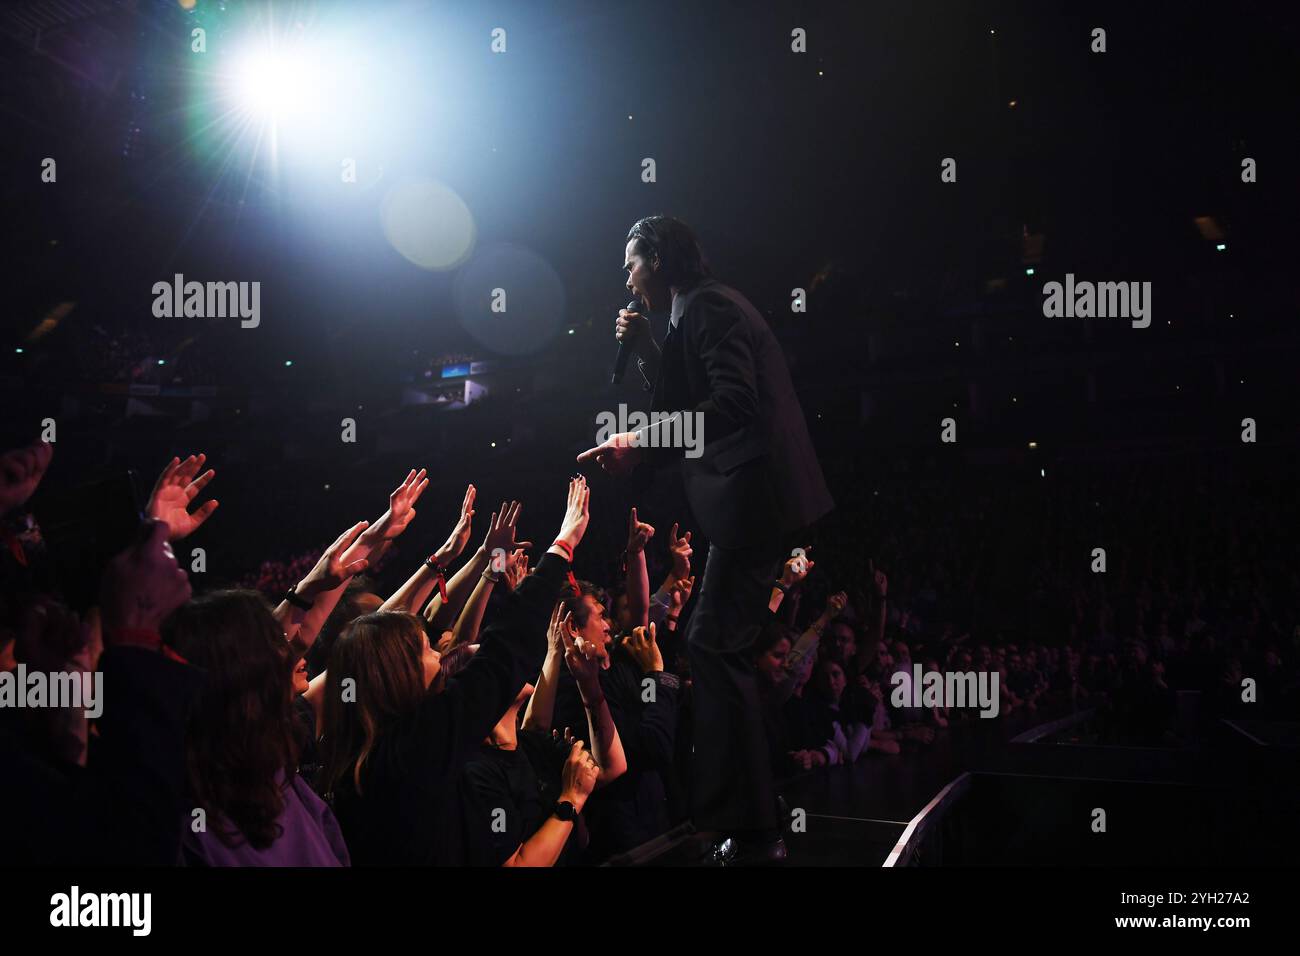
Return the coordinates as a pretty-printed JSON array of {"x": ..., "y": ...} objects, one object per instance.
[{"x": 392, "y": 752}]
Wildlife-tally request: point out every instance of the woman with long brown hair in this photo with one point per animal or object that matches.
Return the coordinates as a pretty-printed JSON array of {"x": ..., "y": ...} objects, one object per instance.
[
  {"x": 250, "y": 806},
  {"x": 394, "y": 743}
]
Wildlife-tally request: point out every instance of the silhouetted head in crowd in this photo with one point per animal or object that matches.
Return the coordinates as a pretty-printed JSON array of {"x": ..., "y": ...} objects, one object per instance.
[
  {"x": 587, "y": 605},
  {"x": 829, "y": 680},
  {"x": 843, "y": 644},
  {"x": 387, "y": 658},
  {"x": 771, "y": 650},
  {"x": 622, "y": 614},
  {"x": 358, "y": 598},
  {"x": 240, "y": 741}
]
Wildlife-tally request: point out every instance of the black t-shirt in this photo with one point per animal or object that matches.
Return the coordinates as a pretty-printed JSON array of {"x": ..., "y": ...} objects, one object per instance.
[
  {"x": 304, "y": 718},
  {"x": 506, "y": 796}
]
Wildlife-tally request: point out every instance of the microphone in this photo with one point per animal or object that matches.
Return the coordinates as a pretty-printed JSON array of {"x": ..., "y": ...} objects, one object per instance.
[{"x": 624, "y": 350}]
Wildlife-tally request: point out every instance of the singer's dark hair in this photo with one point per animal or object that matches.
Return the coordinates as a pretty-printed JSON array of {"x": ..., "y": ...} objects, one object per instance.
[{"x": 681, "y": 260}]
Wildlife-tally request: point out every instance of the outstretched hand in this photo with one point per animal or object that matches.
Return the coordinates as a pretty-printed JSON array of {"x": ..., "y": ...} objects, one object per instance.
[
  {"x": 618, "y": 455},
  {"x": 330, "y": 572},
  {"x": 401, "y": 507},
  {"x": 576, "y": 514},
  {"x": 459, "y": 536},
  {"x": 173, "y": 492},
  {"x": 501, "y": 533}
]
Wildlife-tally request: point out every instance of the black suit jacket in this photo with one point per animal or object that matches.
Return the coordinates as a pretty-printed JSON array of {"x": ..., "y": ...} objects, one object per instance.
[{"x": 758, "y": 476}]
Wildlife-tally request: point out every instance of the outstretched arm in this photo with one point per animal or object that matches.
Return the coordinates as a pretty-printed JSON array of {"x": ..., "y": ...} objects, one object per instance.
[
  {"x": 638, "y": 580},
  {"x": 541, "y": 705},
  {"x": 605, "y": 743},
  {"x": 365, "y": 547},
  {"x": 412, "y": 595}
]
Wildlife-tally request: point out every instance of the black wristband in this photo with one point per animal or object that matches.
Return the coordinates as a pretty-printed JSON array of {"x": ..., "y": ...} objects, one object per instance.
[{"x": 301, "y": 603}]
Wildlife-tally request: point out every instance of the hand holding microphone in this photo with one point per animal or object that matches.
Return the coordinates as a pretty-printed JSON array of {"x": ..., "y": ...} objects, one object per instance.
[{"x": 630, "y": 329}]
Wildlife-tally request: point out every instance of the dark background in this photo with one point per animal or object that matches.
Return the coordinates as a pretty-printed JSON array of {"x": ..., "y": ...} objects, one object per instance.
[{"x": 818, "y": 171}]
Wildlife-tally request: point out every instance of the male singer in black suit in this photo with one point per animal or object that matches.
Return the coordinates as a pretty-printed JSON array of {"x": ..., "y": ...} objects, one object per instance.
[{"x": 756, "y": 482}]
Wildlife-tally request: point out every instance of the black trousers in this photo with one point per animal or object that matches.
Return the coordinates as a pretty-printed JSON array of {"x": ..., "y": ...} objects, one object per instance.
[{"x": 731, "y": 778}]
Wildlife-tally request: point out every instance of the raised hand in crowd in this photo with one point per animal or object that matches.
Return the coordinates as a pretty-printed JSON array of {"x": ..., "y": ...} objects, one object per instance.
[
  {"x": 417, "y": 589},
  {"x": 679, "y": 552},
  {"x": 793, "y": 573},
  {"x": 516, "y": 568},
  {"x": 400, "y": 513},
  {"x": 331, "y": 573},
  {"x": 501, "y": 530},
  {"x": 174, "y": 492},
  {"x": 540, "y": 709},
  {"x": 585, "y": 666},
  {"x": 638, "y": 577},
  {"x": 492, "y": 558},
  {"x": 643, "y": 649},
  {"x": 638, "y": 533},
  {"x": 459, "y": 537},
  {"x": 576, "y": 515}
]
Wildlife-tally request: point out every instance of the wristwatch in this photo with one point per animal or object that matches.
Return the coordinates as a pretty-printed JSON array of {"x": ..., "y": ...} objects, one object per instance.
[
  {"x": 565, "y": 810},
  {"x": 297, "y": 600}
]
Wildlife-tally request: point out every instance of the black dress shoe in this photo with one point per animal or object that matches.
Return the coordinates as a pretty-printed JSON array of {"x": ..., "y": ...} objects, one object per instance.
[{"x": 731, "y": 851}]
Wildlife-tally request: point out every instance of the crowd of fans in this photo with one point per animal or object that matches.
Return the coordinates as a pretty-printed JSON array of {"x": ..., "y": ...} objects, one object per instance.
[{"x": 496, "y": 710}]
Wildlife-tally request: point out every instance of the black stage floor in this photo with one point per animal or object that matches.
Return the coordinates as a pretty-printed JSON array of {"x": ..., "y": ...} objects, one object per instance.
[{"x": 855, "y": 815}]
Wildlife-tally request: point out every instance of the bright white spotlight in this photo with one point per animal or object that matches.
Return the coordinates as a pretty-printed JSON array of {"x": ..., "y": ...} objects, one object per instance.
[{"x": 275, "y": 82}]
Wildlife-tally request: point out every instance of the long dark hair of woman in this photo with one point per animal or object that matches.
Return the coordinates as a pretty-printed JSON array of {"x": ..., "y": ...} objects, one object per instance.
[{"x": 240, "y": 743}]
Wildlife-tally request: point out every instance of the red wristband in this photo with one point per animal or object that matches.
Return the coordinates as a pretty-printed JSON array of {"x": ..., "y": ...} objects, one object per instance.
[{"x": 564, "y": 546}]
